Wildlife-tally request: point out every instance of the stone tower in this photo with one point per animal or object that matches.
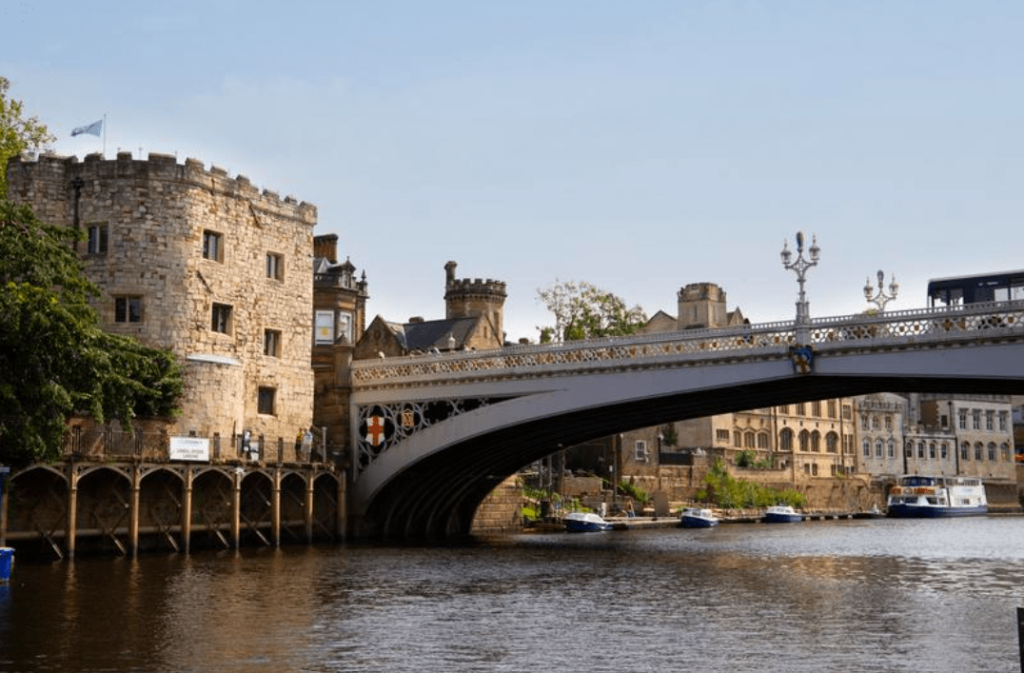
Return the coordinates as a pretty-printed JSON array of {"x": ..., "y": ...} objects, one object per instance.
[
  {"x": 198, "y": 262},
  {"x": 702, "y": 305},
  {"x": 474, "y": 298}
]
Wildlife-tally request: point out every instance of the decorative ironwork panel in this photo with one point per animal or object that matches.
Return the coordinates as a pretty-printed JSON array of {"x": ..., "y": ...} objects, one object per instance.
[{"x": 381, "y": 426}]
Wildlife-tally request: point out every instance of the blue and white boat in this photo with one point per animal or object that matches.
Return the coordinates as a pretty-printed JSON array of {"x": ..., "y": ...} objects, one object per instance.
[
  {"x": 782, "y": 514},
  {"x": 584, "y": 522},
  {"x": 695, "y": 517},
  {"x": 934, "y": 497}
]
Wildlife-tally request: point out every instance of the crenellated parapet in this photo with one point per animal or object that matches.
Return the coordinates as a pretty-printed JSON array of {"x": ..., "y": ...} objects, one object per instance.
[
  {"x": 476, "y": 287},
  {"x": 52, "y": 178}
]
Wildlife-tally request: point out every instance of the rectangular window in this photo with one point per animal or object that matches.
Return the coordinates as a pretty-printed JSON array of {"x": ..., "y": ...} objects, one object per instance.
[
  {"x": 127, "y": 309},
  {"x": 641, "y": 451},
  {"x": 275, "y": 266},
  {"x": 221, "y": 321},
  {"x": 816, "y": 409},
  {"x": 976, "y": 413},
  {"x": 722, "y": 435},
  {"x": 847, "y": 411},
  {"x": 801, "y": 409},
  {"x": 97, "y": 239},
  {"x": 831, "y": 408},
  {"x": 990, "y": 420},
  {"x": 213, "y": 246},
  {"x": 963, "y": 418},
  {"x": 265, "y": 401},
  {"x": 272, "y": 343}
]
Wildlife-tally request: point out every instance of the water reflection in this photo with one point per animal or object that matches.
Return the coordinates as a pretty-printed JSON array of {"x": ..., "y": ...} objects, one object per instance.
[{"x": 849, "y": 595}]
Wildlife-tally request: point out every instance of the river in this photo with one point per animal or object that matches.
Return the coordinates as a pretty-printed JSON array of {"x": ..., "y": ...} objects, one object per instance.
[{"x": 848, "y": 595}]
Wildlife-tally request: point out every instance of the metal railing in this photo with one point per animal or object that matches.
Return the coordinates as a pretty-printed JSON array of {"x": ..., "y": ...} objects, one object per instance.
[
  {"x": 950, "y": 324},
  {"x": 104, "y": 443}
]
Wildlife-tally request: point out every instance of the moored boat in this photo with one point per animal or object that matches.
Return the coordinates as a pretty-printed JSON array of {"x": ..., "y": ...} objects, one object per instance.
[
  {"x": 919, "y": 496},
  {"x": 782, "y": 514},
  {"x": 584, "y": 522},
  {"x": 696, "y": 517}
]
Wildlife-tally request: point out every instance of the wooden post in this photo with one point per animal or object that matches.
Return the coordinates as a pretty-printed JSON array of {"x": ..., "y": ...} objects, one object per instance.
[
  {"x": 71, "y": 519},
  {"x": 309, "y": 505},
  {"x": 341, "y": 522},
  {"x": 275, "y": 507},
  {"x": 236, "y": 508},
  {"x": 186, "y": 510},
  {"x": 133, "y": 511}
]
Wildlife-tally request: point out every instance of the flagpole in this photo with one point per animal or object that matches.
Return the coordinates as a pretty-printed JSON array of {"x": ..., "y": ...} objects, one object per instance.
[{"x": 104, "y": 135}]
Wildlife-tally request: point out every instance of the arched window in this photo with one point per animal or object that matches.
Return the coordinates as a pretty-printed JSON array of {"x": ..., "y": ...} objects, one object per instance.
[
  {"x": 867, "y": 448},
  {"x": 878, "y": 448},
  {"x": 786, "y": 440},
  {"x": 805, "y": 440},
  {"x": 816, "y": 441},
  {"x": 931, "y": 450},
  {"x": 749, "y": 440},
  {"x": 992, "y": 451},
  {"x": 944, "y": 451},
  {"x": 737, "y": 438},
  {"x": 762, "y": 440},
  {"x": 875, "y": 424},
  {"x": 892, "y": 448},
  {"x": 920, "y": 449},
  {"x": 965, "y": 451},
  {"x": 832, "y": 442},
  {"x": 910, "y": 449},
  {"x": 978, "y": 449}
]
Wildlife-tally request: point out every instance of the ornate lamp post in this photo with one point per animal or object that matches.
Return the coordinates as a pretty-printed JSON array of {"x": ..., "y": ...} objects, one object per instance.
[
  {"x": 881, "y": 299},
  {"x": 800, "y": 266}
]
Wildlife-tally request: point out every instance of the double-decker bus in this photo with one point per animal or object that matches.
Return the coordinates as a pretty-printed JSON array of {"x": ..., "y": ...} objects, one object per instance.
[{"x": 1004, "y": 286}]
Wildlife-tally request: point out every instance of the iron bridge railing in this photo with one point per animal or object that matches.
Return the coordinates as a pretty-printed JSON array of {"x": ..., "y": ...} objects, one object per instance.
[{"x": 958, "y": 323}]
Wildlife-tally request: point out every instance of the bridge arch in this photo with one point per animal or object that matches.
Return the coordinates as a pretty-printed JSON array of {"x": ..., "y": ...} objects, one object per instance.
[{"x": 429, "y": 482}]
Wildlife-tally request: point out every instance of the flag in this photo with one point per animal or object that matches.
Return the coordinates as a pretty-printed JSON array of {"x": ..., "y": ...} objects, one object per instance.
[{"x": 93, "y": 128}]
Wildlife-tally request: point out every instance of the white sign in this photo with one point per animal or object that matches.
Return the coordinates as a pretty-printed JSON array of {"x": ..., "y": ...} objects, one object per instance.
[{"x": 190, "y": 448}]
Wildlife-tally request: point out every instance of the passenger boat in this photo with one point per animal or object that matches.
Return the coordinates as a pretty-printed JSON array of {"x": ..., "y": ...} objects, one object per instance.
[
  {"x": 695, "y": 517},
  {"x": 925, "y": 497},
  {"x": 782, "y": 514},
  {"x": 584, "y": 522}
]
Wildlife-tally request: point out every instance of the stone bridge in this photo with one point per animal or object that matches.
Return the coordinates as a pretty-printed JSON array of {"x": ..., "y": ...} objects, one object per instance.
[{"x": 435, "y": 434}]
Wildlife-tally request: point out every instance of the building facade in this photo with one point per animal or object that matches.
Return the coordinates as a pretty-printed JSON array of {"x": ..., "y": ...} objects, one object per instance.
[{"x": 200, "y": 263}]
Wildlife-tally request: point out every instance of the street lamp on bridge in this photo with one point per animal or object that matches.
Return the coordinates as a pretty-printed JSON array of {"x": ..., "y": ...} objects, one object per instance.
[
  {"x": 800, "y": 266},
  {"x": 881, "y": 299}
]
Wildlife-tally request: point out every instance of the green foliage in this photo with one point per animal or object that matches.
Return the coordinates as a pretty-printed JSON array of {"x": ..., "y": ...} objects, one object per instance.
[
  {"x": 583, "y": 311},
  {"x": 731, "y": 493},
  {"x": 54, "y": 358},
  {"x": 634, "y": 491},
  {"x": 17, "y": 132},
  {"x": 747, "y": 458},
  {"x": 669, "y": 437}
]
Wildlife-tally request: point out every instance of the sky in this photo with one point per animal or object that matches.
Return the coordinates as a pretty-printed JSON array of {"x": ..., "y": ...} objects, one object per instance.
[{"x": 639, "y": 146}]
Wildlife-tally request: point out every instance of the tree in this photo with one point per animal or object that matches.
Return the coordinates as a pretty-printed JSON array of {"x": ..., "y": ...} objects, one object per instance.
[
  {"x": 583, "y": 311},
  {"x": 17, "y": 132},
  {"x": 55, "y": 360}
]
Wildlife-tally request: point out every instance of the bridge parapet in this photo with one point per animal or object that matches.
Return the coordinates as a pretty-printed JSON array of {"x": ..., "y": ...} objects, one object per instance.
[{"x": 914, "y": 327}]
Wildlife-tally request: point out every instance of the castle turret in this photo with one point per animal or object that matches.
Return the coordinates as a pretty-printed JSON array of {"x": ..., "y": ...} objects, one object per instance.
[
  {"x": 474, "y": 298},
  {"x": 702, "y": 305}
]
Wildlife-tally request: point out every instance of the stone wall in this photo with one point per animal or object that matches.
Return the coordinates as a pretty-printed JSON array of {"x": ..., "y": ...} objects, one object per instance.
[
  {"x": 501, "y": 511},
  {"x": 156, "y": 218}
]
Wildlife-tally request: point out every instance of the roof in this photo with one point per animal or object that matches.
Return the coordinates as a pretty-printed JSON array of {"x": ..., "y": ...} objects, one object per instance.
[{"x": 422, "y": 336}]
